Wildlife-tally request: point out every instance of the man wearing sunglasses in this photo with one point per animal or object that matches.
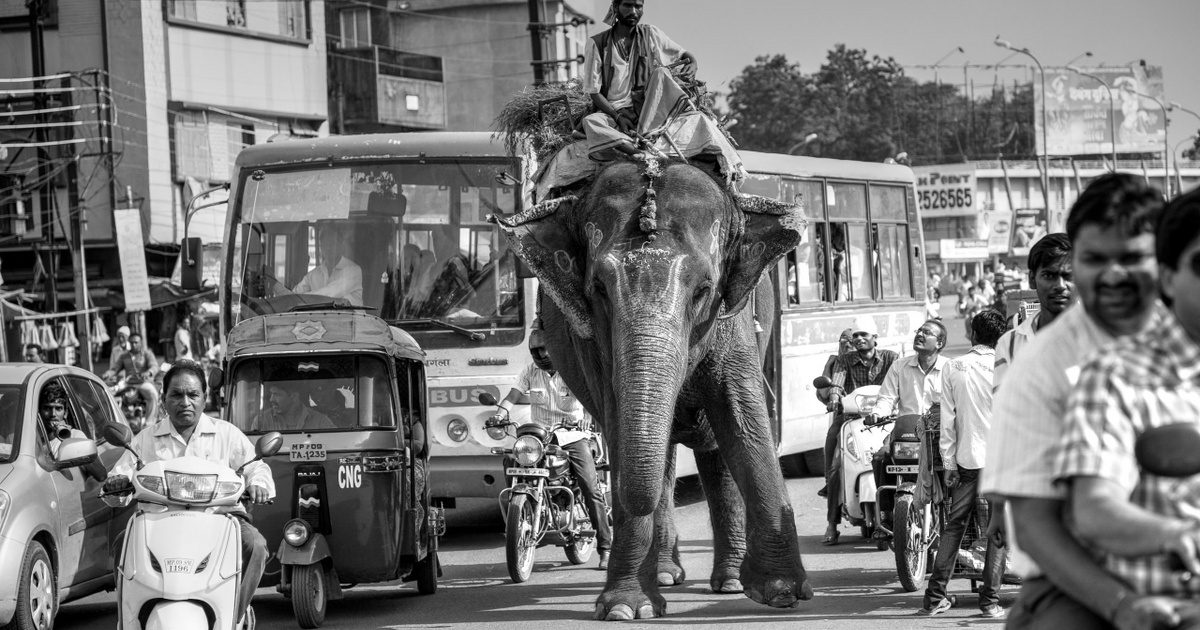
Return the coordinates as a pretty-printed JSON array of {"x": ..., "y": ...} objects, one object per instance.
[{"x": 1111, "y": 227}]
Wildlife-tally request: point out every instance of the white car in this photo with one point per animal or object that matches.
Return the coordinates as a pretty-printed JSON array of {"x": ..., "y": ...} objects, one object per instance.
[{"x": 55, "y": 532}]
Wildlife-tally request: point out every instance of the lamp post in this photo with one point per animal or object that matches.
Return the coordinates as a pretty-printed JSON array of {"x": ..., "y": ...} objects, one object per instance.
[
  {"x": 938, "y": 87},
  {"x": 1045, "y": 144},
  {"x": 1166, "y": 142},
  {"x": 1175, "y": 105},
  {"x": 1112, "y": 109},
  {"x": 809, "y": 139}
]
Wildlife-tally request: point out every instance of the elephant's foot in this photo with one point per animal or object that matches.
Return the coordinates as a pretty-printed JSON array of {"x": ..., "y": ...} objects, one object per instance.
[
  {"x": 724, "y": 580},
  {"x": 619, "y": 604},
  {"x": 767, "y": 586},
  {"x": 670, "y": 573}
]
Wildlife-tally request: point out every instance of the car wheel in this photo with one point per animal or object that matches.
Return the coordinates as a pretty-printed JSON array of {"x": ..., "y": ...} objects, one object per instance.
[{"x": 37, "y": 595}]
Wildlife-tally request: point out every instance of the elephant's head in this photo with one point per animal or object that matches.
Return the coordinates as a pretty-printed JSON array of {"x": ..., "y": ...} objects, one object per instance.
[{"x": 645, "y": 264}]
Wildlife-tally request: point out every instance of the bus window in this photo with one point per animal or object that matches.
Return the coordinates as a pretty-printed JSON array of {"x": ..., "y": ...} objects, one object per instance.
[
  {"x": 894, "y": 278},
  {"x": 847, "y": 201},
  {"x": 763, "y": 185},
  {"x": 850, "y": 261},
  {"x": 888, "y": 203},
  {"x": 807, "y": 267}
]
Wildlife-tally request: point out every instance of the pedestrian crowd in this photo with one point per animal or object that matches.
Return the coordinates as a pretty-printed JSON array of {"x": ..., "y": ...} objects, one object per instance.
[{"x": 1045, "y": 413}]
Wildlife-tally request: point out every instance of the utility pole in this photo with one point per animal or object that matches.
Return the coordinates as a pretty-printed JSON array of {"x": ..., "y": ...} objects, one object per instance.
[
  {"x": 45, "y": 195},
  {"x": 535, "y": 38}
]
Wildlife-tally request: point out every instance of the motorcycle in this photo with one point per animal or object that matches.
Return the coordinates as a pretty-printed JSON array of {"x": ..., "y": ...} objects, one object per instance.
[
  {"x": 543, "y": 504},
  {"x": 134, "y": 406},
  {"x": 181, "y": 564},
  {"x": 857, "y": 444},
  {"x": 913, "y": 526}
]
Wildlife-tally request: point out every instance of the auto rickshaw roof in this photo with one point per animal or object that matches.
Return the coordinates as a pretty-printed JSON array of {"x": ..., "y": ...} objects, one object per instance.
[{"x": 321, "y": 330}]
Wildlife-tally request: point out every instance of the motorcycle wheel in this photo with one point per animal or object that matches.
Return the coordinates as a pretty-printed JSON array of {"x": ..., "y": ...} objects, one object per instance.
[
  {"x": 520, "y": 546},
  {"x": 427, "y": 574},
  {"x": 580, "y": 551},
  {"x": 867, "y": 529},
  {"x": 911, "y": 556},
  {"x": 309, "y": 595}
]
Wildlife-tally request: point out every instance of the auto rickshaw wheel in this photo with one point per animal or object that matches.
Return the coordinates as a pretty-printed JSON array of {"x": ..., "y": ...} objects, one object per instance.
[
  {"x": 427, "y": 573},
  {"x": 520, "y": 539},
  {"x": 310, "y": 597}
]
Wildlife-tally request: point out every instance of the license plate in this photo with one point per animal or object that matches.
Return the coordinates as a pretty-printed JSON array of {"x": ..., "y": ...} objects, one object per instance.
[
  {"x": 176, "y": 565},
  {"x": 902, "y": 470},
  {"x": 307, "y": 453},
  {"x": 527, "y": 472}
]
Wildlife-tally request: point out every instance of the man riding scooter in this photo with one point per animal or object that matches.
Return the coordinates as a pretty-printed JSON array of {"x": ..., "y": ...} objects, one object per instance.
[
  {"x": 551, "y": 403},
  {"x": 188, "y": 431}
]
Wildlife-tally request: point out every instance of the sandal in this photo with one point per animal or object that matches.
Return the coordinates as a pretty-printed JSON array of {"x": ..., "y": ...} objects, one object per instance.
[{"x": 831, "y": 539}]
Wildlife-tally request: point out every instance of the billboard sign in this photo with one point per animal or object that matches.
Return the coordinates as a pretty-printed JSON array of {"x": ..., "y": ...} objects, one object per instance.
[
  {"x": 1029, "y": 226},
  {"x": 1081, "y": 118},
  {"x": 946, "y": 190},
  {"x": 962, "y": 249},
  {"x": 999, "y": 231},
  {"x": 131, "y": 250}
]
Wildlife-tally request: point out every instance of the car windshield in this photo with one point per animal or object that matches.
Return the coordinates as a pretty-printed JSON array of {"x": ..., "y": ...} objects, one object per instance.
[
  {"x": 313, "y": 392},
  {"x": 10, "y": 419}
]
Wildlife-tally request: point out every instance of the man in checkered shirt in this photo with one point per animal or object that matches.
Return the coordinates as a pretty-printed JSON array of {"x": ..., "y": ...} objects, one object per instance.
[{"x": 1147, "y": 380}]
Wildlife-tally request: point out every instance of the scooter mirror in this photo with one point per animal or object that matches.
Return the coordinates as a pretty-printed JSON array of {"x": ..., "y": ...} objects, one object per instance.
[
  {"x": 268, "y": 444},
  {"x": 487, "y": 400},
  {"x": 822, "y": 382},
  {"x": 118, "y": 435},
  {"x": 1169, "y": 451}
]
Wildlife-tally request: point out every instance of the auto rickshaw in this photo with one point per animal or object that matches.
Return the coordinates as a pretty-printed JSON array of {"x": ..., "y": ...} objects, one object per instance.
[{"x": 347, "y": 391}]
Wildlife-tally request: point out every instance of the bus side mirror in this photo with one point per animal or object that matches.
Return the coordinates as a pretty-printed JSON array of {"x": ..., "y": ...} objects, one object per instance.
[{"x": 191, "y": 264}]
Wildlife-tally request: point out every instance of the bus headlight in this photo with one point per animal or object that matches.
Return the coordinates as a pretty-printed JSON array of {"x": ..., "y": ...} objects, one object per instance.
[
  {"x": 528, "y": 450},
  {"x": 457, "y": 429}
]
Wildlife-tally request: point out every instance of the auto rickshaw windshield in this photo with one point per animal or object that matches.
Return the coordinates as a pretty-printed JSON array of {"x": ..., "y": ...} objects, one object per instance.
[{"x": 314, "y": 392}]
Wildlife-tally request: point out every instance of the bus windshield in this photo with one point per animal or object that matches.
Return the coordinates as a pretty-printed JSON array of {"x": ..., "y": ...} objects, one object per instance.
[{"x": 406, "y": 241}]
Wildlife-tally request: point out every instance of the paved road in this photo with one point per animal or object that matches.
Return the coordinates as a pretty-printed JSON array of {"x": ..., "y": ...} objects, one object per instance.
[{"x": 856, "y": 586}]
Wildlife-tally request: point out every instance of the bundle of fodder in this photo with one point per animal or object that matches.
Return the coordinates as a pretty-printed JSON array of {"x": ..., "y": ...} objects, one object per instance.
[{"x": 521, "y": 121}]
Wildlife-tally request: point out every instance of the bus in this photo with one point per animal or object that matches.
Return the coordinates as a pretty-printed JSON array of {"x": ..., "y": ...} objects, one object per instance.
[
  {"x": 408, "y": 213},
  {"x": 861, "y": 256}
]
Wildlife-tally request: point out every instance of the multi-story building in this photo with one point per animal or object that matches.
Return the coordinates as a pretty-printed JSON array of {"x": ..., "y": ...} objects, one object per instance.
[
  {"x": 176, "y": 89},
  {"x": 400, "y": 65}
]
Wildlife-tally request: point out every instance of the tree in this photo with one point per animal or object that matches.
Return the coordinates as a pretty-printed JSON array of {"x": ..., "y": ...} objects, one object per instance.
[{"x": 767, "y": 100}]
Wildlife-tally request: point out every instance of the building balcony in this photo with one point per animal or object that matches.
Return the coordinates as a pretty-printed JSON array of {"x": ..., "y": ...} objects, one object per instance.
[{"x": 376, "y": 88}]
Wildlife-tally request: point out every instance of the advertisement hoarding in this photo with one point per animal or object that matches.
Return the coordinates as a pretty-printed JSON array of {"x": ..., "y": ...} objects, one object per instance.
[
  {"x": 1029, "y": 226},
  {"x": 963, "y": 249},
  {"x": 946, "y": 190},
  {"x": 131, "y": 250},
  {"x": 999, "y": 231},
  {"x": 1078, "y": 111}
]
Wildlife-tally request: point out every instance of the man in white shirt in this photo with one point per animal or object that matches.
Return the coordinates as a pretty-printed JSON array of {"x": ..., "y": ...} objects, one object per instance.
[
  {"x": 914, "y": 383},
  {"x": 336, "y": 276},
  {"x": 617, "y": 69},
  {"x": 552, "y": 405},
  {"x": 1111, "y": 227},
  {"x": 1050, "y": 274},
  {"x": 966, "y": 418},
  {"x": 187, "y": 431}
]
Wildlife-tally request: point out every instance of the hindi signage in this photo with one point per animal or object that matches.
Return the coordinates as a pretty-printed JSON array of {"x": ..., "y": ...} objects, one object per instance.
[
  {"x": 946, "y": 190},
  {"x": 1079, "y": 111},
  {"x": 131, "y": 249}
]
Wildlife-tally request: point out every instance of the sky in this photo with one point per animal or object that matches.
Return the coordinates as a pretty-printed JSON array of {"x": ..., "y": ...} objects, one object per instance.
[{"x": 726, "y": 36}]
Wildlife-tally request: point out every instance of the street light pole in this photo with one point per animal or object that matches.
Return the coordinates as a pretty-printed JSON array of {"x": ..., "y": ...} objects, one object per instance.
[
  {"x": 1112, "y": 109},
  {"x": 1166, "y": 142},
  {"x": 809, "y": 139},
  {"x": 937, "y": 86},
  {"x": 1045, "y": 144}
]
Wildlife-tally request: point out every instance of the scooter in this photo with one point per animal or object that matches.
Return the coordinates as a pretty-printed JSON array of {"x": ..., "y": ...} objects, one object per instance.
[
  {"x": 857, "y": 444},
  {"x": 181, "y": 564}
]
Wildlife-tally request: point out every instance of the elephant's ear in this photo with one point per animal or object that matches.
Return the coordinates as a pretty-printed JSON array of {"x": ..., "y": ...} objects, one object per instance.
[
  {"x": 772, "y": 228},
  {"x": 540, "y": 238}
]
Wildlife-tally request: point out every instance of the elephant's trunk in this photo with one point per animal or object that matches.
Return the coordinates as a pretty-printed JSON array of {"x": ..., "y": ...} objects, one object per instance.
[{"x": 649, "y": 359}]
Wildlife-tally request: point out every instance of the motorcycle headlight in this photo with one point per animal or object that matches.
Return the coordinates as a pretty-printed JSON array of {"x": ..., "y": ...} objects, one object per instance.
[
  {"x": 191, "y": 488},
  {"x": 906, "y": 450},
  {"x": 528, "y": 450},
  {"x": 152, "y": 483},
  {"x": 497, "y": 433},
  {"x": 296, "y": 532}
]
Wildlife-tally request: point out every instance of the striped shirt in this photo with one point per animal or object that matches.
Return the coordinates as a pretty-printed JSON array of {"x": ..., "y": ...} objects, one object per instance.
[
  {"x": 1148, "y": 380},
  {"x": 551, "y": 401},
  {"x": 851, "y": 371}
]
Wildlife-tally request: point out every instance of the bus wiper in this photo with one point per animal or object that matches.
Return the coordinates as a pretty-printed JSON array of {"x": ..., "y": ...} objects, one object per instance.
[
  {"x": 329, "y": 306},
  {"x": 466, "y": 332}
]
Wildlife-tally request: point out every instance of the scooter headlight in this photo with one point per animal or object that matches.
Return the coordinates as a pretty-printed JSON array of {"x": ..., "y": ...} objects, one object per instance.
[
  {"x": 190, "y": 488},
  {"x": 497, "y": 433},
  {"x": 296, "y": 532},
  {"x": 528, "y": 450},
  {"x": 906, "y": 450},
  {"x": 152, "y": 483}
]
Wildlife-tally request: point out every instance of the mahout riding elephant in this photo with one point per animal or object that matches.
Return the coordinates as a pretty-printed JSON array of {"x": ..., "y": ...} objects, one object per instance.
[{"x": 648, "y": 274}]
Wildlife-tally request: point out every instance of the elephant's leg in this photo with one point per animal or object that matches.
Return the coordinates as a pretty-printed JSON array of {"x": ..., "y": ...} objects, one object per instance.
[
  {"x": 631, "y": 590},
  {"x": 670, "y": 570},
  {"x": 728, "y": 515},
  {"x": 772, "y": 572}
]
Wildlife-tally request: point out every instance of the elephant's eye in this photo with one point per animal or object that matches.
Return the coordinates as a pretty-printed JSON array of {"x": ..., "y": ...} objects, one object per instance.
[{"x": 701, "y": 295}]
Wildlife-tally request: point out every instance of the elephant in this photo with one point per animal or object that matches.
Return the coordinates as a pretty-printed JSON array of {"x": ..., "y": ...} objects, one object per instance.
[{"x": 648, "y": 273}]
